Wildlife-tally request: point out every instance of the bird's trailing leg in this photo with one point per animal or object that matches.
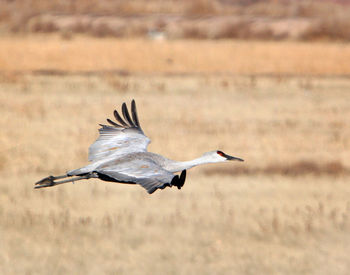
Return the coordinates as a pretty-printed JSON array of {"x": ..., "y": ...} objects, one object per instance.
[{"x": 52, "y": 181}]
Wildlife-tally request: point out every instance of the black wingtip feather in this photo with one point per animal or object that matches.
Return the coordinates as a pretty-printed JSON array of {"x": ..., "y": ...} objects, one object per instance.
[
  {"x": 118, "y": 117},
  {"x": 113, "y": 123},
  {"x": 126, "y": 115},
  {"x": 175, "y": 181},
  {"x": 128, "y": 121},
  {"x": 134, "y": 114},
  {"x": 182, "y": 179}
]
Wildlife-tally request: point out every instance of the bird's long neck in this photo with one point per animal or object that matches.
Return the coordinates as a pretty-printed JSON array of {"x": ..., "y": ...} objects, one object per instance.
[{"x": 177, "y": 166}]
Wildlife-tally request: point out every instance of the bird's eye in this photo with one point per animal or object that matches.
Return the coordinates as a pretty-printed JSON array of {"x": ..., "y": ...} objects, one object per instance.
[{"x": 220, "y": 153}]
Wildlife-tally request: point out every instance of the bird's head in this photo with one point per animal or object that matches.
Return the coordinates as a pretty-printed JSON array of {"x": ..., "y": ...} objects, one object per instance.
[{"x": 219, "y": 156}]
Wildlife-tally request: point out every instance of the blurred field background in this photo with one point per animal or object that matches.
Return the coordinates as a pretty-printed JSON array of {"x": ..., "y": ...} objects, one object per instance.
[{"x": 281, "y": 102}]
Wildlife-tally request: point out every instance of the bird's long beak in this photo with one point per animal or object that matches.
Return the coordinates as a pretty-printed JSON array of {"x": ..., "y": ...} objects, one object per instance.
[{"x": 233, "y": 158}]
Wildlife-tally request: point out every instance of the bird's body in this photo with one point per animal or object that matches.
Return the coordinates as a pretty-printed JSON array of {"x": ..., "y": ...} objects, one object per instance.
[{"x": 120, "y": 155}]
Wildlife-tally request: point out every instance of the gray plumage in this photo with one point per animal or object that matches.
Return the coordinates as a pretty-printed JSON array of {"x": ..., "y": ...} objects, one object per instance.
[{"x": 120, "y": 155}]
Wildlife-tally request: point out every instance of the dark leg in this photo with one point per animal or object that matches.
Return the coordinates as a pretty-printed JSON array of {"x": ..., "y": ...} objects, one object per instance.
[{"x": 51, "y": 180}]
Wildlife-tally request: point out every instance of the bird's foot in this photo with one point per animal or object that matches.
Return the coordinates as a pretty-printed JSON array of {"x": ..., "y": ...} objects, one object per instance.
[{"x": 45, "y": 182}]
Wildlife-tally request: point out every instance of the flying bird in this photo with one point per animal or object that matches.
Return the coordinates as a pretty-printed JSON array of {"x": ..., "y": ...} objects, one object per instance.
[{"x": 120, "y": 155}]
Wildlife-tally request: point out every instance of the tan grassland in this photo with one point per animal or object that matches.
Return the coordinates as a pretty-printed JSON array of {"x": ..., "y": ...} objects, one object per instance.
[
  {"x": 84, "y": 54},
  {"x": 196, "y": 19},
  {"x": 268, "y": 215}
]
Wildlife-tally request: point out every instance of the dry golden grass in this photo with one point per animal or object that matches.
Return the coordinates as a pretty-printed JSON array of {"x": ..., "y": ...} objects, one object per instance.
[
  {"x": 291, "y": 123},
  {"x": 144, "y": 56},
  {"x": 217, "y": 224},
  {"x": 201, "y": 19}
]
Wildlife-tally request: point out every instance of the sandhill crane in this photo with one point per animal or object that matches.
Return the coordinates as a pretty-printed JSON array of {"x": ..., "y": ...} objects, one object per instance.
[{"x": 120, "y": 155}]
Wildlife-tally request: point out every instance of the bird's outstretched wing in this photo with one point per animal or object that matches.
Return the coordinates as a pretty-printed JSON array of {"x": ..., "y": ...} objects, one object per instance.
[
  {"x": 144, "y": 172},
  {"x": 123, "y": 136}
]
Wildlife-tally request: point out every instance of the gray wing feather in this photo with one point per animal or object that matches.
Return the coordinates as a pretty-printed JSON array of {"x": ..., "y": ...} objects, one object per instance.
[
  {"x": 117, "y": 140},
  {"x": 144, "y": 172}
]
